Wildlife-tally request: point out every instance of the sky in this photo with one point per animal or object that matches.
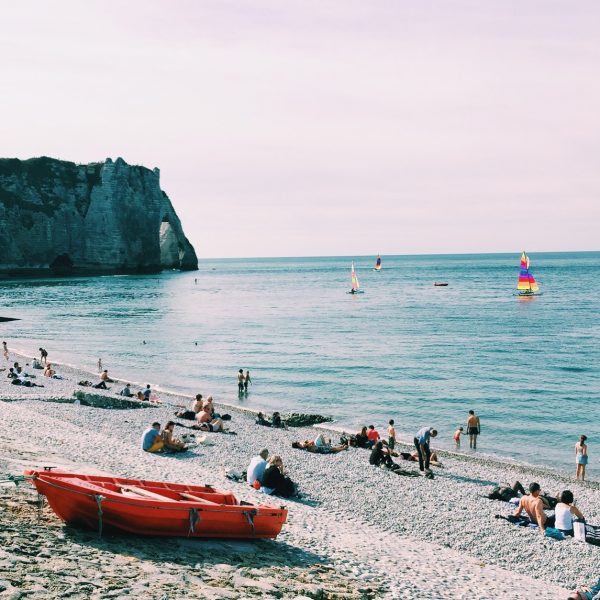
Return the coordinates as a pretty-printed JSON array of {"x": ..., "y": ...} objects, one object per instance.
[{"x": 307, "y": 128}]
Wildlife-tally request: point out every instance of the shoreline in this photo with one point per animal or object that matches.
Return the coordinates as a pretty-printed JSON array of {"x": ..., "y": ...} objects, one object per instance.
[
  {"x": 400, "y": 537},
  {"x": 329, "y": 427}
]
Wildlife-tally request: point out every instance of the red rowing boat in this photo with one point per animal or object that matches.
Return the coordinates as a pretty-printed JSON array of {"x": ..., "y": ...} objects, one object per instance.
[{"x": 154, "y": 507}]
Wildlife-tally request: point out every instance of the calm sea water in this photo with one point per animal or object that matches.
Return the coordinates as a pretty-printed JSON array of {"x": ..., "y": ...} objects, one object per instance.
[{"x": 404, "y": 349}]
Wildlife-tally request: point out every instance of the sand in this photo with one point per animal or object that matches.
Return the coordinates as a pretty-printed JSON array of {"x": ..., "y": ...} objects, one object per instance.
[{"x": 357, "y": 532}]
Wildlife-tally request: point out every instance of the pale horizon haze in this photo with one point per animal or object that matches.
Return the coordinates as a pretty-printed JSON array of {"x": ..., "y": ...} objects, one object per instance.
[{"x": 325, "y": 128}]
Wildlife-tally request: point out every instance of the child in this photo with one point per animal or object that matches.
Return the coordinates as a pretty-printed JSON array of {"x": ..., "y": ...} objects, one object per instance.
[
  {"x": 457, "y": 435},
  {"x": 391, "y": 435}
]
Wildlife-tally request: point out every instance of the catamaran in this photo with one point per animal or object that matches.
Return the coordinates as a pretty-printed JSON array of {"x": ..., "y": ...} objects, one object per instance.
[
  {"x": 526, "y": 285},
  {"x": 355, "y": 285},
  {"x": 377, "y": 266}
]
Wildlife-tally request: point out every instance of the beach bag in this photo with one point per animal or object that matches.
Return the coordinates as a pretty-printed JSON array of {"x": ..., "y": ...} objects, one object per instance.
[
  {"x": 554, "y": 533},
  {"x": 226, "y": 417},
  {"x": 592, "y": 534},
  {"x": 579, "y": 529}
]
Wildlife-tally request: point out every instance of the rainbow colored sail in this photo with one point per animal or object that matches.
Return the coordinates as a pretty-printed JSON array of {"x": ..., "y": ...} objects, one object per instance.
[
  {"x": 377, "y": 266},
  {"x": 526, "y": 283},
  {"x": 355, "y": 284}
]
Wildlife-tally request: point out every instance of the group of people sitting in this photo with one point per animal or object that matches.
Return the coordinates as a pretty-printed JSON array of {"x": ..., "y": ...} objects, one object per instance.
[
  {"x": 276, "y": 420},
  {"x": 144, "y": 395},
  {"x": 203, "y": 412},
  {"x": 531, "y": 508},
  {"x": 269, "y": 476},
  {"x": 155, "y": 440},
  {"x": 19, "y": 377}
]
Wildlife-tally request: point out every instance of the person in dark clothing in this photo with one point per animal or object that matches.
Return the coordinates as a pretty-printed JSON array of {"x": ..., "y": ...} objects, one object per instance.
[
  {"x": 380, "y": 457},
  {"x": 101, "y": 386},
  {"x": 274, "y": 477},
  {"x": 362, "y": 439}
]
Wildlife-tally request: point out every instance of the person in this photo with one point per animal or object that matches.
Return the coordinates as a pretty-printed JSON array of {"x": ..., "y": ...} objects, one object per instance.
[
  {"x": 473, "y": 429},
  {"x": 194, "y": 410},
  {"x": 104, "y": 377},
  {"x": 49, "y": 371},
  {"x": 256, "y": 468},
  {"x": 151, "y": 439},
  {"x": 206, "y": 422},
  {"x": 391, "y": 435},
  {"x": 457, "y": 435},
  {"x": 12, "y": 374},
  {"x": 319, "y": 446},
  {"x": 147, "y": 393},
  {"x": 247, "y": 380},
  {"x": 170, "y": 442},
  {"x": 533, "y": 506},
  {"x": 260, "y": 420},
  {"x": 240, "y": 379},
  {"x": 211, "y": 407},
  {"x": 5, "y": 350},
  {"x": 362, "y": 439},
  {"x": 140, "y": 396},
  {"x": 373, "y": 436},
  {"x": 36, "y": 364},
  {"x": 101, "y": 385},
  {"x": 581, "y": 457},
  {"x": 277, "y": 422},
  {"x": 275, "y": 480},
  {"x": 126, "y": 391},
  {"x": 379, "y": 456},
  {"x": 43, "y": 356},
  {"x": 421, "y": 442},
  {"x": 564, "y": 511}
]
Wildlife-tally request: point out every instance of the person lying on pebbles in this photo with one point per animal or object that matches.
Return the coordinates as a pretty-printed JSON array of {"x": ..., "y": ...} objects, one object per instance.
[
  {"x": 319, "y": 446},
  {"x": 193, "y": 411},
  {"x": 381, "y": 457}
]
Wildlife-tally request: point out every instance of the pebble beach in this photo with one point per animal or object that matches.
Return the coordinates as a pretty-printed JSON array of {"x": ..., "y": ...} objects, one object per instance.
[{"x": 356, "y": 532}]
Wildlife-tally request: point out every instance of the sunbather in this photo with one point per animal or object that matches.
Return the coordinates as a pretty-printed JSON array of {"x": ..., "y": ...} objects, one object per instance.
[
  {"x": 151, "y": 439},
  {"x": 206, "y": 423},
  {"x": 275, "y": 480},
  {"x": 170, "y": 442}
]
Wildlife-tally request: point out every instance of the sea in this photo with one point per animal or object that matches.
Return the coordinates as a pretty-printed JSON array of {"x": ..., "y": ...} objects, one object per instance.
[{"x": 404, "y": 349}]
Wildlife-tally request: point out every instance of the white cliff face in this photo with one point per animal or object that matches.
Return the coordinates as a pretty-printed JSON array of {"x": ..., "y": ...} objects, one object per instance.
[{"x": 106, "y": 217}]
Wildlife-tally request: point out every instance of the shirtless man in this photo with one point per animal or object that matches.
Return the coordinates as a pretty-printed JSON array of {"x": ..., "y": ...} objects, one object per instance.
[
  {"x": 473, "y": 429},
  {"x": 206, "y": 422},
  {"x": 533, "y": 505}
]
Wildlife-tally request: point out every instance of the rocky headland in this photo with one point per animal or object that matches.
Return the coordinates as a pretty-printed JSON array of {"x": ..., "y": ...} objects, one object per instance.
[{"x": 62, "y": 218}]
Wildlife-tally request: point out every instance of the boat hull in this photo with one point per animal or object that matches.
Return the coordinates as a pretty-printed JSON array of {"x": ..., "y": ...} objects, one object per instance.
[{"x": 78, "y": 499}]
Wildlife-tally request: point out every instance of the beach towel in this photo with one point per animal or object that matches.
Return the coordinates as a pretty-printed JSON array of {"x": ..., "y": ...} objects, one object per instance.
[
  {"x": 592, "y": 534},
  {"x": 551, "y": 532}
]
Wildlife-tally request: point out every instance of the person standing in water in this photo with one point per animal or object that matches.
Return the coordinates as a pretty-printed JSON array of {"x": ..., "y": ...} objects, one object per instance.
[
  {"x": 240, "y": 379},
  {"x": 100, "y": 365},
  {"x": 247, "y": 380},
  {"x": 581, "y": 457},
  {"x": 473, "y": 429}
]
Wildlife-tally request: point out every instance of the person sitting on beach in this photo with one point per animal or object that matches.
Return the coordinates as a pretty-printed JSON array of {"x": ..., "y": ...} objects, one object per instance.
[
  {"x": 140, "y": 396},
  {"x": 564, "y": 512},
  {"x": 147, "y": 392},
  {"x": 49, "y": 371},
  {"x": 170, "y": 442},
  {"x": 104, "y": 377},
  {"x": 362, "y": 439},
  {"x": 533, "y": 506},
  {"x": 36, "y": 364},
  {"x": 205, "y": 422},
  {"x": 208, "y": 403},
  {"x": 126, "y": 391},
  {"x": 101, "y": 385},
  {"x": 275, "y": 480},
  {"x": 256, "y": 468},
  {"x": 22, "y": 374},
  {"x": 151, "y": 439},
  {"x": 277, "y": 421},
  {"x": 373, "y": 436},
  {"x": 380, "y": 456},
  {"x": 193, "y": 411},
  {"x": 12, "y": 373},
  {"x": 260, "y": 420}
]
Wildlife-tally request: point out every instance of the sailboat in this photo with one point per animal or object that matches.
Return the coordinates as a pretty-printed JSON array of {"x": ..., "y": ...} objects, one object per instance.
[
  {"x": 526, "y": 285},
  {"x": 355, "y": 285},
  {"x": 377, "y": 266}
]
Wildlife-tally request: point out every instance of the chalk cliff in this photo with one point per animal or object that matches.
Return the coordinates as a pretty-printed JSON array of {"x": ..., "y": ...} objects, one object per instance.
[{"x": 110, "y": 217}]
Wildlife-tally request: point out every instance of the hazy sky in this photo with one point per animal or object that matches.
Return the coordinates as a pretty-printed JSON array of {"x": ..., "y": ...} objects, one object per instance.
[{"x": 287, "y": 128}]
